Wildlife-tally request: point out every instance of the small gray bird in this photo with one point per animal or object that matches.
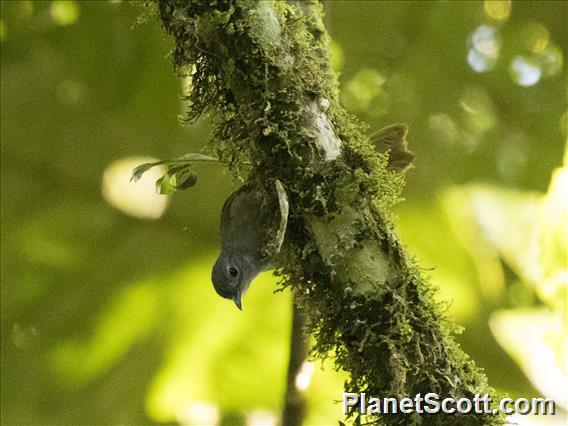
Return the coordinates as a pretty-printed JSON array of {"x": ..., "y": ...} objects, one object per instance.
[{"x": 251, "y": 234}]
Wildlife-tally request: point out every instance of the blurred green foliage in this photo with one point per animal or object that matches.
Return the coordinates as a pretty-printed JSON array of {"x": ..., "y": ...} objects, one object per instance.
[{"x": 107, "y": 312}]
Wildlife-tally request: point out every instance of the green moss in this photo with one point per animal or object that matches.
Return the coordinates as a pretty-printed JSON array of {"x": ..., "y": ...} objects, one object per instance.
[{"x": 258, "y": 69}]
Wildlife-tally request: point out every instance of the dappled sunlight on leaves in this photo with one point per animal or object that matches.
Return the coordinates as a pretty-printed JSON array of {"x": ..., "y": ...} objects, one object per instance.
[
  {"x": 525, "y": 71},
  {"x": 444, "y": 128},
  {"x": 485, "y": 45},
  {"x": 529, "y": 232},
  {"x": 479, "y": 111},
  {"x": 536, "y": 339},
  {"x": 535, "y": 37},
  {"x": 64, "y": 12},
  {"x": 462, "y": 220},
  {"x": 551, "y": 61},
  {"x": 198, "y": 413},
  {"x": 365, "y": 93},
  {"x": 139, "y": 200},
  {"x": 236, "y": 361},
  {"x": 304, "y": 376},
  {"x": 534, "y": 56},
  {"x": 429, "y": 238},
  {"x": 337, "y": 56},
  {"x": 498, "y": 10},
  {"x": 262, "y": 418},
  {"x": 130, "y": 317},
  {"x": 218, "y": 353},
  {"x": 509, "y": 221}
]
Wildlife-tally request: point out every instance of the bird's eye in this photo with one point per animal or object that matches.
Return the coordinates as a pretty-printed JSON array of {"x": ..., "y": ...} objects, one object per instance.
[{"x": 233, "y": 272}]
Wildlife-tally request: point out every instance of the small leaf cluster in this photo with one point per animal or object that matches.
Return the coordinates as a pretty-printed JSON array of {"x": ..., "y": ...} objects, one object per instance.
[{"x": 180, "y": 174}]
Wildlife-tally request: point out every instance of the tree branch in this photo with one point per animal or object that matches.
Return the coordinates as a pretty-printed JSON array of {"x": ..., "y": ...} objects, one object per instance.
[
  {"x": 260, "y": 71},
  {"x": 295, "y": 404}
]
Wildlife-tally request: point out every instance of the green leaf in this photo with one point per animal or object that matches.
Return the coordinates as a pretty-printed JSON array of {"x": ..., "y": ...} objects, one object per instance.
[
  {"x": 185, "y": 179},
  {"x": 164, "y": 187},
  {"x": 199, "y": 157},
  {"x": 140, "y": 170},
  {"x": 172, "y": 170},
  {"x": 181, "y": 162}
]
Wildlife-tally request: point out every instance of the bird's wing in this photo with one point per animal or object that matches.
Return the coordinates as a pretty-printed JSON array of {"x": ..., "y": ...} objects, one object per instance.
[
  {"x": 240, "y": 228},
  {"x": 392, "y": 140},
  {"x": 249, "y": 226},
  {"x": 284, "y": 209}
]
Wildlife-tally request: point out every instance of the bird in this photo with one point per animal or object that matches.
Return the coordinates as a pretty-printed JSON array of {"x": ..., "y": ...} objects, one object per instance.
[
  {"x": 250, "y": 239},
  {"x": 252, "y": 234}
]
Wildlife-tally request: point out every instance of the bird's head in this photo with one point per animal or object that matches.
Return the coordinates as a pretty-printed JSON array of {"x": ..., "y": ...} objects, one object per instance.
[{"x": 232, "y": 274}]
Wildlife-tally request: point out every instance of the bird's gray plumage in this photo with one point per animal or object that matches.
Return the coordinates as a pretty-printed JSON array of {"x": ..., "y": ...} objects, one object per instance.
[{"x": 251, "y": 232}]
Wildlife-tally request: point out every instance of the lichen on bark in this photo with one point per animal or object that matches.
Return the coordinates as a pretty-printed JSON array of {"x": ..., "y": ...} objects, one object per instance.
[{"x": 260, "y": 71}]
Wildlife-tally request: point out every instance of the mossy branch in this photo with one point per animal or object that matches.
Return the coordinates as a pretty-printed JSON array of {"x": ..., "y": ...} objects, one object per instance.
[{"x": 260, "y": 71}]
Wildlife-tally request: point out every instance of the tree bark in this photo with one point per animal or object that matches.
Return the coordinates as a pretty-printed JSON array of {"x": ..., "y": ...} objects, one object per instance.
[
  {"x": 260, "y": 70},
  {"x": 295, "y": 404}
]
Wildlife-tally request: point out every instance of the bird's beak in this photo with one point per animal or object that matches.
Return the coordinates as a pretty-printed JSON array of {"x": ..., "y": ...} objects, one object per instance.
[{"x": 237, "y": 300}]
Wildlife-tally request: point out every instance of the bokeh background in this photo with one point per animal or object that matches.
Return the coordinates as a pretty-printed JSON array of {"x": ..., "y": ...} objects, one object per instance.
[{"x": 108, "y": 314}]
